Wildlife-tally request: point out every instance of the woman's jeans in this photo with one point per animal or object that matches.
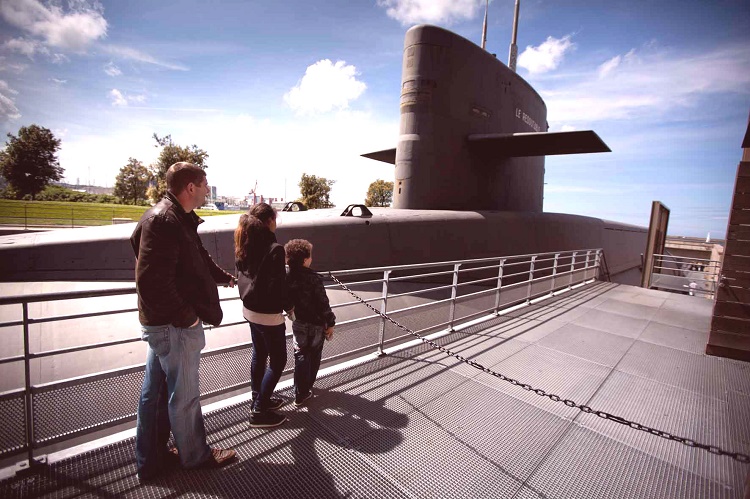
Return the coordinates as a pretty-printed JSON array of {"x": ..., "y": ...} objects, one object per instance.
[
  {"x": 170, "y": 398},
  {"x": 269, "y": 342},
  {"x": 308, "y": 349}
]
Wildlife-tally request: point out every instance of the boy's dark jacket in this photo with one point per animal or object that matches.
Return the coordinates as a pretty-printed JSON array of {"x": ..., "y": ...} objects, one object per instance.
[
  {"x": 309, "y": 297},
  {"x": 262, "y": 286}
]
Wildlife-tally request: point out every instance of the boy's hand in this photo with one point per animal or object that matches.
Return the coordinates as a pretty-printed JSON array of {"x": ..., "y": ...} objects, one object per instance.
[{"x": 329, "y": 333}]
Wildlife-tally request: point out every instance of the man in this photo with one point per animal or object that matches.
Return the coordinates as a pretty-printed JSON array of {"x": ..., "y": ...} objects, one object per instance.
[{"x": 176, "y": 282}]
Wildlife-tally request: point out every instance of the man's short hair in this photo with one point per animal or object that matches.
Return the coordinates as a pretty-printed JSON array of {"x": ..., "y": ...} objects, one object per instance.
[
  {"x": 297, "y": 250},
  {"x": 181, "y": 174}
]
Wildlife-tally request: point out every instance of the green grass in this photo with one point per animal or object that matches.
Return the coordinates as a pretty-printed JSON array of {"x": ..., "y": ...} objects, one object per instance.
[{"x": 69, "y": 214}]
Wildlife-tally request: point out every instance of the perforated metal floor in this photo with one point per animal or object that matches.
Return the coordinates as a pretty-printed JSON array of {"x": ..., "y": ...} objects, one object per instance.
[{"x": 419, "y": 424}]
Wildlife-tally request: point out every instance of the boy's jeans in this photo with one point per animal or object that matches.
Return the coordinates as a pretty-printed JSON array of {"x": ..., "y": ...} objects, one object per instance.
[
  {"x": 308, "y": 349},
  {"x": 170, "y": 397}
]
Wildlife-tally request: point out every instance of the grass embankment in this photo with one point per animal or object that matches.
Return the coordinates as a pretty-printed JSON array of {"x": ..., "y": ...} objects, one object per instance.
[{"x": 69, "y": 214}]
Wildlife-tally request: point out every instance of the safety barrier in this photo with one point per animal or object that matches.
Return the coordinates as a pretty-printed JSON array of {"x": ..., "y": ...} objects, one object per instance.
[
  {"x": 691, "y": 276},
  {"x": 424, "y": 297}
]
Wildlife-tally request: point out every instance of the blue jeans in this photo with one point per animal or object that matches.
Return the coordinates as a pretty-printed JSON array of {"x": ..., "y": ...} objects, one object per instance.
[
  {"x": 308, "y": 349},
  {"x": 269, "y": 342},
  {"x": 170, "y": 398}
]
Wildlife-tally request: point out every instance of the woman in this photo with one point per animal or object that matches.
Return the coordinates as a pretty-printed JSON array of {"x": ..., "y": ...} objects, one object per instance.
[{"x": 261, "y": 280}]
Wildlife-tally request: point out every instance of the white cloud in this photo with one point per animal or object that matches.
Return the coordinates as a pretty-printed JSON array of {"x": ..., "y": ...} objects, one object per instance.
[
  {"x": 13, "y": 67},
  {"x": 650, "y": 84},
  {"x": 25, "y": 47},
  {"x": 58, "y": 81},
  {"x": 111, "y": 69},
  {"x": 117, "y": 98},
  {"x": 325, "y": 87},
  {"x": 431, "y": 11},
  {"x": 546, "y": 56},
  {"x": 138, "y": 99},
  {"x": 136, "y": 55},
  {"x": 609, "y": 66},
  {"x": 8, "y": 109},
  {"x": 121, "y": 100},
  {"x": 71, "y": 30}
]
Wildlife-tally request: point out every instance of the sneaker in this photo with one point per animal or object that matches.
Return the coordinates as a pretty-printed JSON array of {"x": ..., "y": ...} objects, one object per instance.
[
  {"x": 301, "y": 399},
  {"x": 266, "y": 419},
  {"x": 219, "y": 457},
  {"x": 273, "y": 403}
]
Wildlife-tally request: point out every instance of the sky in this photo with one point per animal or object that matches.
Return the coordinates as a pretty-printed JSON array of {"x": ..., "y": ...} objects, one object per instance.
[{"x": 275, "y": 89}]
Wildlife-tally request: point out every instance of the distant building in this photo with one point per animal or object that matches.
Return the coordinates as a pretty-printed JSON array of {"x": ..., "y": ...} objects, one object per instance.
[{"x": 91, "y": 189}]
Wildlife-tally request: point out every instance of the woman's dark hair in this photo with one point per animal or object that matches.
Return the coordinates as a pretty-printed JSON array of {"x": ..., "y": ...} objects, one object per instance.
[
  {"x": 252, "y": 235},
  {"x": 297, "y": 250}
]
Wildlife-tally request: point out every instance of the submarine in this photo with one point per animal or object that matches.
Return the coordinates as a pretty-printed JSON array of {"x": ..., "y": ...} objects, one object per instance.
[{"x": 468, "y": 183}]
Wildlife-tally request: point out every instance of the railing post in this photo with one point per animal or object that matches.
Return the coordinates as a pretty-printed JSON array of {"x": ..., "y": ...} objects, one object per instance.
[
  {"x": 499, "y": 286},
  {"x": 25, "y": 218},
  {"x": 586, "y": 267},
  {"x": 383, "y": 310},
  {"x": 572, "y": 268},
  {"x": 531, "y": 278},
  {"x": 554, "y": 273},
  {"x": 652, "y": 263},
  {"x": 597, "y": 263},
  {"x": 27, "y": 392},
  {"x": 72, "y": 218},
  {"x": 453, "y": 294}
]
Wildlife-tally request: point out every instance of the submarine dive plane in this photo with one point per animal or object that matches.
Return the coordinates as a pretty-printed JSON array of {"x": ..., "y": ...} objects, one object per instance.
[{"x": 469, "y": 183}]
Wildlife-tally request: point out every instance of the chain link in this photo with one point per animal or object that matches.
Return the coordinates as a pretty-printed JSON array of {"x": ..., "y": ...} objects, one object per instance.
[{"x": 743, "y": 458}]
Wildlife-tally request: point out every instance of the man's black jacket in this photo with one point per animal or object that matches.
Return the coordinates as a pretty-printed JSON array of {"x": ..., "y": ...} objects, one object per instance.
[
  {"x": 175, "y": 276},
  {"x": 309, "y": 297}
]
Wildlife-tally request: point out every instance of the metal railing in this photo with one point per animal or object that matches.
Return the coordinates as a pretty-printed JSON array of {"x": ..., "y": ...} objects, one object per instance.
[
  {"x": 425, "y": 297},
  {"x": 685, "y": 275}
]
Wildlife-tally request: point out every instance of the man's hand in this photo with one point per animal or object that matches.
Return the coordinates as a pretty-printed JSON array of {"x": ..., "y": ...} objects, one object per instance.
[
  {"x": 196, "y": 322},
  {"x": 232, "y": 282},
  {"x": 329, "y": 333}
]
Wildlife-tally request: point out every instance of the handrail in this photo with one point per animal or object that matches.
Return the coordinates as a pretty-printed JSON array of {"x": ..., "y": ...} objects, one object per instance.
[{"x": 558, "y": 270}]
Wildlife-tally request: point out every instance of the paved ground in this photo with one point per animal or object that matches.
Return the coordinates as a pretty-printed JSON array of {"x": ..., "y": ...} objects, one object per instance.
[{"x": 417, "y": 423}]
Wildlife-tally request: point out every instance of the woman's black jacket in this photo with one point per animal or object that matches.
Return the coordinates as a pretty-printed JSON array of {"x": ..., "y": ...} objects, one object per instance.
[{"x": 262, "y": 280}]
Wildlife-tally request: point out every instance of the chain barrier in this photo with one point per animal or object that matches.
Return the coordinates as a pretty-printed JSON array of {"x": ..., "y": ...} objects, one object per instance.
[{"x": 743, "y": 458}]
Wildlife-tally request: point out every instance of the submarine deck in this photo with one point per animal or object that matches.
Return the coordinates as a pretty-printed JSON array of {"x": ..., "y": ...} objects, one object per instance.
[{"x": 418, "y": 423}]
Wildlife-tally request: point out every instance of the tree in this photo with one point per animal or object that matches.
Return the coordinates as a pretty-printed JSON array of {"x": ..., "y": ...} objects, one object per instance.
[
  {"x": 132, "y": 181},
  {"x": 29, "y": 161},
  {"x": 315, "y": 191},
  {"x": 380, "y": 193},
  {"x": 168, "y": 156}
]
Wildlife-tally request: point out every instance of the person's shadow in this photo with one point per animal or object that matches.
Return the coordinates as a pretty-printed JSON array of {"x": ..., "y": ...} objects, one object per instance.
[{"x": 319, "y": 452}]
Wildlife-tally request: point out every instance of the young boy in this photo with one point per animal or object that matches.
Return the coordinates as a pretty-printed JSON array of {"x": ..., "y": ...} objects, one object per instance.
[{"x": 313, "y": 318}]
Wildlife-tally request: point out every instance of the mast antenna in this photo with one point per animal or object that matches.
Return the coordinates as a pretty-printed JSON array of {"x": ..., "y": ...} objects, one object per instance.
[
  {"x": 484, "y": 26},
  {"x": 513, "y": 48}
]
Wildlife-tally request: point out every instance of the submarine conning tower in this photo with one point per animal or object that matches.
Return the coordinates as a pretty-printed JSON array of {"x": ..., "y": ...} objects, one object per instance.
[
  {"x": 452, "y": 89},
  {"x": 473, "y": 134}
]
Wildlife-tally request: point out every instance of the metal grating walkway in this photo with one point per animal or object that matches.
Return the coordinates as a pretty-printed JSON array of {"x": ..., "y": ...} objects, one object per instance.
[{"x": 419, "y": 424}]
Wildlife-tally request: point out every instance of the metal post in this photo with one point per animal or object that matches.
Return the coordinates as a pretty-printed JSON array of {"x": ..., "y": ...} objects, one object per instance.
[
  {"x": 453, "y": 294},
  {"x": 554, "y": 272},
  {"x": 71, "y": 218},
  {"x": 531, "y": 278},
  {"x": 499, "y": 286},
  {"x": 586, "y": 267},
  {"x": 27, "y": 392},
  {"x": 597, "y": 263},
  {"x": 25, "y": 217},
  {"x": 383, "y": 310},
  {"x": 572, "y": 268}
]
